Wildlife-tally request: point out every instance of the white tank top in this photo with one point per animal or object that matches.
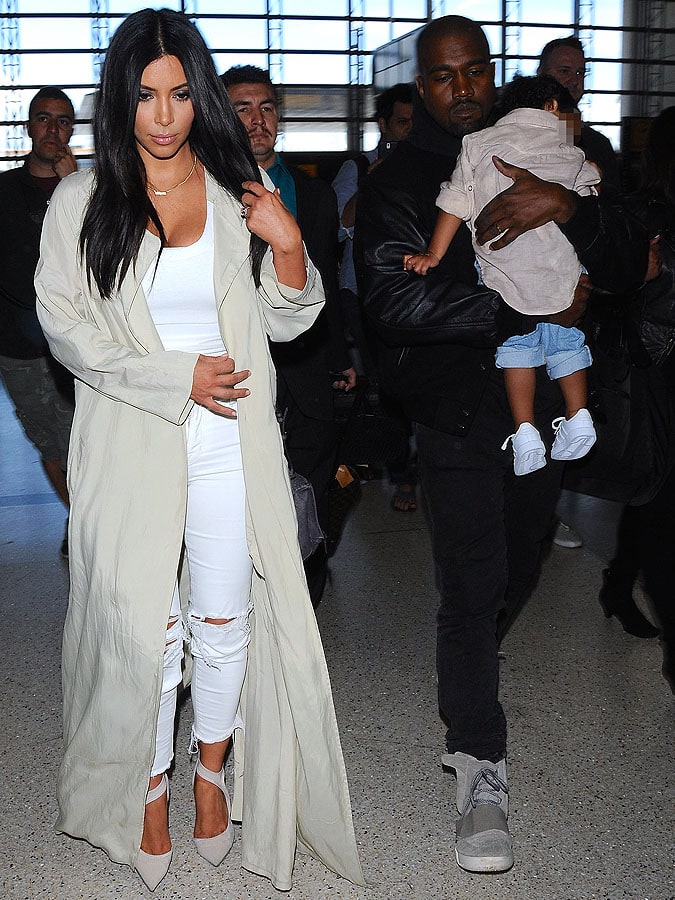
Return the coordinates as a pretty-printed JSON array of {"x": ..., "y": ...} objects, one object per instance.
[{"x": 181, "y": 296}]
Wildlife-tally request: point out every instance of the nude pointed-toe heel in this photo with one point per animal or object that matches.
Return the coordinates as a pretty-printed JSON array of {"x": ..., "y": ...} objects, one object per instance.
[
  {"x": 152, "y": 868},
  {"x": 215, "y": 849}
]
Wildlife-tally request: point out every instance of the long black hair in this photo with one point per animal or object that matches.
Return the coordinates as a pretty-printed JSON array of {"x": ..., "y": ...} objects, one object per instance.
[
  {"x": 119, "y": 207},
  {"x": 658, "y": 157}
]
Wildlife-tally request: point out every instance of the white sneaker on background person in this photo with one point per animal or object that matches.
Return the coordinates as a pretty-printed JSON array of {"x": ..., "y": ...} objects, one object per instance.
[{"x": 564, "y": 536}]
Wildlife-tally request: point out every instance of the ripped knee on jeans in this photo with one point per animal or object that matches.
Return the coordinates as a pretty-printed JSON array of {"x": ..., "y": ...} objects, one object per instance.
[
  {"x": 173, "y": 654},
  {"x": 221, "y": 641}
]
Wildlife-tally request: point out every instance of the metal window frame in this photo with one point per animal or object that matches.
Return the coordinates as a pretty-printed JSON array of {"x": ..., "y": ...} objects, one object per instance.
[{"x": 646, "y": 39}]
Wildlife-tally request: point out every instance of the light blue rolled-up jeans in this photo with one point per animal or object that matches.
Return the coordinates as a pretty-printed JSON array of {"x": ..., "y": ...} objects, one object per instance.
[{"x": 562, "y": 350}]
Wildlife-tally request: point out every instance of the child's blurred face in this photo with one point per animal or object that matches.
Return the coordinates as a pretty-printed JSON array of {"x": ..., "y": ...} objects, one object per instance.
[{"x": 570, "y": 125}]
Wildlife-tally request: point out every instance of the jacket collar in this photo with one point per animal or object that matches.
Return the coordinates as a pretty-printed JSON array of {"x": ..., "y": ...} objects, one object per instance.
[
  {"x": 231, "y": 237},
  {"x": 427, "y": 134}
]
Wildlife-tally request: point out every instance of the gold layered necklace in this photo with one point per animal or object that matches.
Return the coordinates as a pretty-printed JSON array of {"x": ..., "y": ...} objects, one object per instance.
[{"x": 158, "y": 193}]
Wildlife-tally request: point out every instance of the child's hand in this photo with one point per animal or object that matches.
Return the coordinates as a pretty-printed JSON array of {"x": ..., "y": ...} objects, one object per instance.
[{"x": 420, "y": 262}]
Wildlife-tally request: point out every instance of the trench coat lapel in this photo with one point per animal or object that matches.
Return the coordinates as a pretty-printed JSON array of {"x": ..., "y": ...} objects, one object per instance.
[
  {"x": 231, "y": 239},
  {"x": 133, "y": 299}
]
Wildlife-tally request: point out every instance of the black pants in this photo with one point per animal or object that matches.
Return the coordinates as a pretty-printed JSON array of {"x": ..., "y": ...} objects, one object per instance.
[{"x": 487, "y": 526}]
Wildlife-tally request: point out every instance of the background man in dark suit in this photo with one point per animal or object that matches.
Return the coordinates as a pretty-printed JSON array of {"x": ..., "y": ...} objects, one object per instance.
[
  {"x": 564, "y": 60},
  {"x": 314, "y": 364}
]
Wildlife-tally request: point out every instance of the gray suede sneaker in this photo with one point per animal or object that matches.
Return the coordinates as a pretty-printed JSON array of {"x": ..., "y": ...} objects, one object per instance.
[{"x": 483, "y": 842}]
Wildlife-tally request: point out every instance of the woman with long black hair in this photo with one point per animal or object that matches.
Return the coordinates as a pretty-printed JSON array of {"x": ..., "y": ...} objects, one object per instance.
[{"x": 159, "y": 270}]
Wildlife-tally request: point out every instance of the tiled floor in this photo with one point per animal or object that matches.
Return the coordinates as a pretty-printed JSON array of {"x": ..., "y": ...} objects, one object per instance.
[{"x": 591, "y": 724}]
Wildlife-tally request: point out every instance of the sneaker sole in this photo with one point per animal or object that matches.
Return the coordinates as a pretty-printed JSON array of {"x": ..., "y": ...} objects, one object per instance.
[
  {"x": 530, "y": 461},
  {"x": 483, "y": 863},
  {"x": 576, "y": 449}
]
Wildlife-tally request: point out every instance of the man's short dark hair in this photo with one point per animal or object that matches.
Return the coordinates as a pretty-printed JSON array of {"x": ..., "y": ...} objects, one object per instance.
[
  {"x": 50, "y": 93},
  {"x": 249, "y": 75},
  {"x": 570, "y": 41},
  {"x": 532, "y": 93},
  {"x": 440, "y": 28},
  {"x": 384, "y": 103}
]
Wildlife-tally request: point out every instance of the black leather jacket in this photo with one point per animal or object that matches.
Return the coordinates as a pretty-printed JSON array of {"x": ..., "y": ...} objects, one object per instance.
[{"x": 438, "y": 370}]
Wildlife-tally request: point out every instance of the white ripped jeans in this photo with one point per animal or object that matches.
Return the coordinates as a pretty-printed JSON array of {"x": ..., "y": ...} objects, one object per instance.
[{"x": 220, "y": 571}]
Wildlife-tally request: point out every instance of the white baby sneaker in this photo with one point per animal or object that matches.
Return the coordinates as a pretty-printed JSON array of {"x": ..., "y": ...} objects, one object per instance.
[
  {"x": 529, "y": 452},
  {"x": 573, "y": 437}
]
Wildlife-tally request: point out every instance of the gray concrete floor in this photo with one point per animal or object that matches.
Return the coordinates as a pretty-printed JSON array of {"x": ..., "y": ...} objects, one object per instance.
[{"x": 591, "y": 724}]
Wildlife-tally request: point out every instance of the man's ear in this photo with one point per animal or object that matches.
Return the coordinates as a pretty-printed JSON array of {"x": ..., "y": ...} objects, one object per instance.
[
  {"x": 382, "y": 124},
  {"x": 419, "y": 82}
]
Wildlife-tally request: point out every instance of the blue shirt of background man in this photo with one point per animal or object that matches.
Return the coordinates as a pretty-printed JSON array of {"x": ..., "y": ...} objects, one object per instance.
[{"x": 283, "y": 179}]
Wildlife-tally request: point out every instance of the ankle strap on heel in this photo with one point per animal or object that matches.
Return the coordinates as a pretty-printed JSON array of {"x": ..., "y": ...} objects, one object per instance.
[
  {"x": 216, "y": 778},
  {"x": 156, "y": 792}
]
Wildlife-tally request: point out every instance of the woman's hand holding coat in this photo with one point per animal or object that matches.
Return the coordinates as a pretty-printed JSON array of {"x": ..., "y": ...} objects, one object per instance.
[{"x": 267, "y": 217}]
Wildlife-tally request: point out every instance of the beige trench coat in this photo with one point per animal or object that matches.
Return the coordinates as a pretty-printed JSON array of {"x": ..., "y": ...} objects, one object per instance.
[{"x": 127, "y": 479}]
